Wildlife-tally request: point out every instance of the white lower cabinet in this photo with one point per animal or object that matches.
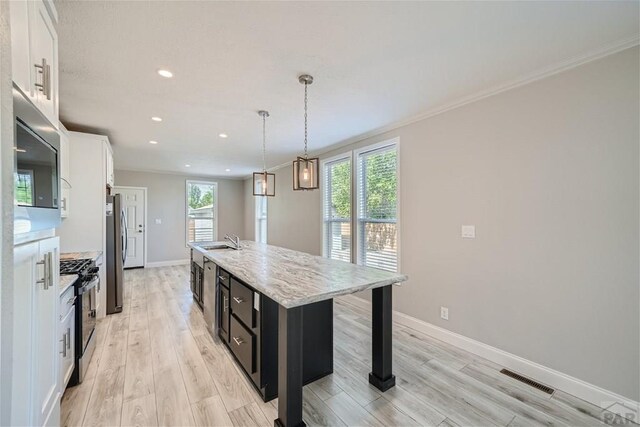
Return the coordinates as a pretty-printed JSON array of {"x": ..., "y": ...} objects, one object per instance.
[
  {"x": 67, "y": 337},
  {"x": 36, "y": 342}
]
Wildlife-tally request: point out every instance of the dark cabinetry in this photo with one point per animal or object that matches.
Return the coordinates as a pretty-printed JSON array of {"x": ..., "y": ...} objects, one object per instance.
[
  {"x": 197, "y": 277},
  {"x": 248, "y": 325}
]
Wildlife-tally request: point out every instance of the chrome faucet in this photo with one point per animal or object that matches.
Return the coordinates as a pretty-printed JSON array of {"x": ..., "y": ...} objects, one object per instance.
[{"x": 234, "y": 240}]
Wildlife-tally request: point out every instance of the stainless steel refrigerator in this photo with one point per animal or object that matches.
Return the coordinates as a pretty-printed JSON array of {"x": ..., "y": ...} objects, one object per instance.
[{"x": 116, "y": 252}]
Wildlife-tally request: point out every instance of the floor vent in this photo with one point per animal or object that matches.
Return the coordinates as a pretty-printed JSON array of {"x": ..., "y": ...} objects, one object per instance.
[{"x": 527, "y": 381}]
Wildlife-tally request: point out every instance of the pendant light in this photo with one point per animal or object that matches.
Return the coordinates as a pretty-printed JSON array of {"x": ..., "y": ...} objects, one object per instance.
[
  {"x": 264, "y": 183},
  {"x": 306, "y": 173}
]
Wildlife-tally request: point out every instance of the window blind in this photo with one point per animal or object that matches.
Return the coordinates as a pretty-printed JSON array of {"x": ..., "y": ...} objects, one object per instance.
[
  {"x": 377, "y": 184},
  {"x": 337, "y": 209}
]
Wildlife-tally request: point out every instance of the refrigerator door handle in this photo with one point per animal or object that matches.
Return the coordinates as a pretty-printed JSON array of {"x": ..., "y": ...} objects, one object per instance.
[{"x": 125, "y": 243}]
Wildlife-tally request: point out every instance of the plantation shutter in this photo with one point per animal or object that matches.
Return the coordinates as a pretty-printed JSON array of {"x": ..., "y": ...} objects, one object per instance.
[
  {"x": 377, "y": 208},
  {"x": 337, "y": 209}
]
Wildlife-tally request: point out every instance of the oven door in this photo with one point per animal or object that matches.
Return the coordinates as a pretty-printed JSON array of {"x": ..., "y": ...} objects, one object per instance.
[{"x": 88, "y": 295}]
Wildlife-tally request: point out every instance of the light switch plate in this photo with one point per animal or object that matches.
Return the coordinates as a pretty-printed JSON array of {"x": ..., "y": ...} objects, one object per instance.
[
  {"x": 444, "y": 313},
  {"x": 468, "y": 231},
  {"x": 158, "y": 221}
]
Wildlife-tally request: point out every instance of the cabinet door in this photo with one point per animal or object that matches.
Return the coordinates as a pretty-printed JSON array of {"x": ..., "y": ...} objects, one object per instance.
[
  {"x": 67, "y": 336},
  {"x": 223, "y": 300},
  {"x": 47, "y": 345},
  {"x": 65, "y": 183},
  {"x": 20, "y": 63},
  {"x": 24, "y": 285},
  {"x": 44, "y": 60}
]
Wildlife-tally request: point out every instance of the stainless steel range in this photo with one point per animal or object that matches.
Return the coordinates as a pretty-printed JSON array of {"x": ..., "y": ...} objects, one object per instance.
[{"x": 85, "y": 290}]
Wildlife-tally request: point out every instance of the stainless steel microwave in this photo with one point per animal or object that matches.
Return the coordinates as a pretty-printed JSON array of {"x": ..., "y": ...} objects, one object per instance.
[{"x": 36, "y": 168}]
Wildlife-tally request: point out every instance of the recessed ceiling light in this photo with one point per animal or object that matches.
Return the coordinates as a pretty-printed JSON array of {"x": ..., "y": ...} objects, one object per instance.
[
  {"x": 153, "y": 142},
  {"x": 187, "y": 166},
  {"x": 223, "y": 135},
  {"x": 156, "y": 119},
  {"x": 227, "y": 170},
  {"x": 165, "y": 73}
]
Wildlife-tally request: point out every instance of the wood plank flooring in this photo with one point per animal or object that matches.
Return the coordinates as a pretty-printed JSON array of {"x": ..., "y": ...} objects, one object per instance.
[{"x": 156, "y": 364}]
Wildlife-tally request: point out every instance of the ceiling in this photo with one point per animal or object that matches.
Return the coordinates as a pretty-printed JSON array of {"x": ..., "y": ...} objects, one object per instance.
[{"x": 374, "y": 64}]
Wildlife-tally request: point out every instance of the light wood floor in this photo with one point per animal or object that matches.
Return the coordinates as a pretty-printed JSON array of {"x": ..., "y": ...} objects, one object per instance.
[{"x": 155, "y": 364}]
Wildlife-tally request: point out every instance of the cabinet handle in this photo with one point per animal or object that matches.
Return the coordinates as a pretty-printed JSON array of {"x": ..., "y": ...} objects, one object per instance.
[
  {"x": 224, "y": 303},
  {"x": 48, "y": 276},
  {"x": 71, "y": 300},
  {"x": 64, "y": 203},
  {"x": 238, "y": 340},
  {"x": 43, "y": 281},
  {"x": 238, "y": 300},
  {"x": 45, "y": 86},
  {"x": 69, "y": 338},
  {"x": 64, "y": 345},
  {"x": 222, "y": 278}
]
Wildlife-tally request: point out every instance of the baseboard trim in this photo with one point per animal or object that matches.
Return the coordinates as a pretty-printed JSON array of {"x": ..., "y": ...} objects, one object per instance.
[
  {"x": 167, "y": 263},
  {"x": 591, "y": 393}
]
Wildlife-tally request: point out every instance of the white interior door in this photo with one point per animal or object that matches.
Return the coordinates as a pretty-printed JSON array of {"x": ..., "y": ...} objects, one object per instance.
[{"x": 134, "y": 205}]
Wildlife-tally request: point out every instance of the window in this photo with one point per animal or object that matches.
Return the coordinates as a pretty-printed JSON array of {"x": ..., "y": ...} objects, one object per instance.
[
  {"x": 261, "y": 219},
  {"x": 24, "y": 187},
  {"x": 337, "y": 209},
  {"x": 377, "y": 205},
  {"x": 370, "y": 208},
  {"x": 202, "y": 209}
]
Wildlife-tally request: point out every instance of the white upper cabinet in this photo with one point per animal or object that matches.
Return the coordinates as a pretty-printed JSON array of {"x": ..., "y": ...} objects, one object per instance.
[
  {"x": 34, "y": 52},
  {"x": 65, "y": 172},
  {"x": 20, "y": 62},
  {"x": 108, "y": 158}
]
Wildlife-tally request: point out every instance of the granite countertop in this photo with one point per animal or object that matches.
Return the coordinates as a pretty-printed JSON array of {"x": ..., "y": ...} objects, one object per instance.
[
  {"x": 94, "y": 255},
  {"x": 293, "y": 278},
  {"x": 67, "y": 280}
]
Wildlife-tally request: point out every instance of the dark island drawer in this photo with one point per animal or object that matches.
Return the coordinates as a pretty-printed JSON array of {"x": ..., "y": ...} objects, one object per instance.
[
  {"x": 242, "y": 344},
  {"x": 223, "y": 277},
  {"x": 242, "y": 302}
]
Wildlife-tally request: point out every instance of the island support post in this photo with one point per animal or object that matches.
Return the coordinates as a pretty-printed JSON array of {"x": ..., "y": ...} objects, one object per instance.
[
  {"x": 381, "y": 376},
  {"x": 289, "y": 368}
]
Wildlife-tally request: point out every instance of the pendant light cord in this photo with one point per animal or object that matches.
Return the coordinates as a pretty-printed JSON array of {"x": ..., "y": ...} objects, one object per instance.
[
  {"x": 305, "y": 120},
  {"x": 264, "y": 143}
]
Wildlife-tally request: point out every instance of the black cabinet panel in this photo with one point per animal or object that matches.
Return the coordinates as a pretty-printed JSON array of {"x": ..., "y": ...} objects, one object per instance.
[
  {"x": 224, "y": 278},
  {"x": 243, "y": 345},
  {"x": 242, "y": 302},
  {"x": 223, "y": 302},
  {"x": 252, "y": 319}
]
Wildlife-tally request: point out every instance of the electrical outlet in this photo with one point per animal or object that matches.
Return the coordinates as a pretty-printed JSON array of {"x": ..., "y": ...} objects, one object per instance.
[
  {"x": 444, "y": 313},
  {"x": 468, "y": 232},
  {"x": 158, "y": 221}
]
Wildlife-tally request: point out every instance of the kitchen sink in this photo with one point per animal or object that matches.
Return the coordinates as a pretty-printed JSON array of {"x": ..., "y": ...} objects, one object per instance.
[{"x": 216, "y": 247}]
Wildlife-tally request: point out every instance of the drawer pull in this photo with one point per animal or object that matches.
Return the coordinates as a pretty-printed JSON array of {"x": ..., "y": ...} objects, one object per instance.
[
  {"x": 71, "y": 300},
  {"x": 238, "y": 341},
  {"x": 238, "y": 300},
  {"x": 222, "y": 278}
]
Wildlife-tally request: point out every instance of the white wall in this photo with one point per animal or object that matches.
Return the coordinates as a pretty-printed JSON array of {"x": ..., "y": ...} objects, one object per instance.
[
  {"x": 166, "y": 201},
  {"x": 549, "y": 175}
]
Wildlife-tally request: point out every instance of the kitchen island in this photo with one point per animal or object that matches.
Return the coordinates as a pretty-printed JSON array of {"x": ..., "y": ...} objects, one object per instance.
[{"x": 295, "y": 280}]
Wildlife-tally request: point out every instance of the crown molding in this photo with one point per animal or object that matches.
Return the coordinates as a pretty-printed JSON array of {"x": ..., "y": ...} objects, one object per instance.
[
  {"x": 189, "y": 175},
  {"x": 559, "y": 67}
]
